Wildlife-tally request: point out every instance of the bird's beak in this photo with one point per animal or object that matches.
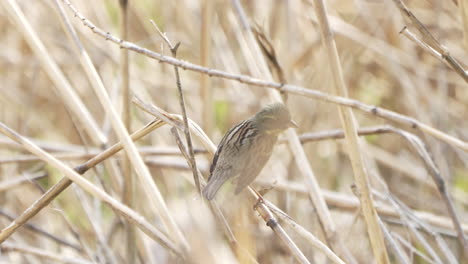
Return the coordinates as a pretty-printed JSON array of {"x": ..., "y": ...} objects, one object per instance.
[{"x": 293, "y": 124}]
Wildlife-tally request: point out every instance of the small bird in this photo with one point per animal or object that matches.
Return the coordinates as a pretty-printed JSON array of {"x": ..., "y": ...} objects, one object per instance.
[{"x": 246, "y": 148}]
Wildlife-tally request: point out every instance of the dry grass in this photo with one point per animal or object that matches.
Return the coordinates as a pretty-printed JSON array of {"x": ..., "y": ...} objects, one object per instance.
[{"x": 68, "y": 92}]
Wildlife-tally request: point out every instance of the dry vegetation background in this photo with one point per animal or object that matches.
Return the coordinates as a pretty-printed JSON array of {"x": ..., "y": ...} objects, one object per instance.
[{"x": 381, "y": 67}]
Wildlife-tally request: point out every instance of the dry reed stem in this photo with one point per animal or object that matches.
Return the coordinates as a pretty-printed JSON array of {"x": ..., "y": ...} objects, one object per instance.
[
  {"x": 65, "y": 89},
  {"x": 411, "y": 36},
  {"x": 129, "y": 185},
  {"x": 293, "y": 89},
  {"x": 350, "y": 126},
  {"x": 126, "y": 212}
]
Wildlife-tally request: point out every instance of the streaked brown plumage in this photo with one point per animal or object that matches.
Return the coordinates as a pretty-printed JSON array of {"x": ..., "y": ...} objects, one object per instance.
[{"x": 246, "y": 148}]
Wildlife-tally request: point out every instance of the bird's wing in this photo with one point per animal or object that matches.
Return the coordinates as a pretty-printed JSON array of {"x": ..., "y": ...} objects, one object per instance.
[{"x": 223, "y": 160}]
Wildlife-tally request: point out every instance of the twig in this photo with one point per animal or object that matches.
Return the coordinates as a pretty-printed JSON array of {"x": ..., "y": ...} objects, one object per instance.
[
  {"x": 431, "y": 41},
  {"x": 339, "y": 134},
  {"x": 271, "y": 222},
  {"x": 186, "y": 130},
  {"x": 411, "y": 36}
]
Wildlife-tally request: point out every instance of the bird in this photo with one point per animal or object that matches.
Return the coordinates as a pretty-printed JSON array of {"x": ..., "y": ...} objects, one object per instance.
[{"x": 246, "y": 147}]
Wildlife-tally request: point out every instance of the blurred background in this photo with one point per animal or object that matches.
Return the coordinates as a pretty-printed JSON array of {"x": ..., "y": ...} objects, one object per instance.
[{"x": 381, "y": 67}]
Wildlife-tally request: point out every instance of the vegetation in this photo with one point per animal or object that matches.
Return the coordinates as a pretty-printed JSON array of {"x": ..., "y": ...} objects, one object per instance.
[{"x": 375, "y": 173}]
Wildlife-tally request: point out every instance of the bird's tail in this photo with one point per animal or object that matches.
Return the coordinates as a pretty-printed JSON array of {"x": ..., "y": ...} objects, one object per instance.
[{"x": 212, "y": 188}]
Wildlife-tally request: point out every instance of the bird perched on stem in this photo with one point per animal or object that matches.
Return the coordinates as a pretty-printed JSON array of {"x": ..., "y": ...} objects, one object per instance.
[{"x": 246, "y": 148}]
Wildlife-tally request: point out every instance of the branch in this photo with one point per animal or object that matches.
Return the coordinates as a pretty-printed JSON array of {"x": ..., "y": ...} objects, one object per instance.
[{"x": 186, "y": 130}]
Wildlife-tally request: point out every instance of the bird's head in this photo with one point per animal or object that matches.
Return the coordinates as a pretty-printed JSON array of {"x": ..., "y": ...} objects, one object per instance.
[{"x": 274, "y": 119}]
